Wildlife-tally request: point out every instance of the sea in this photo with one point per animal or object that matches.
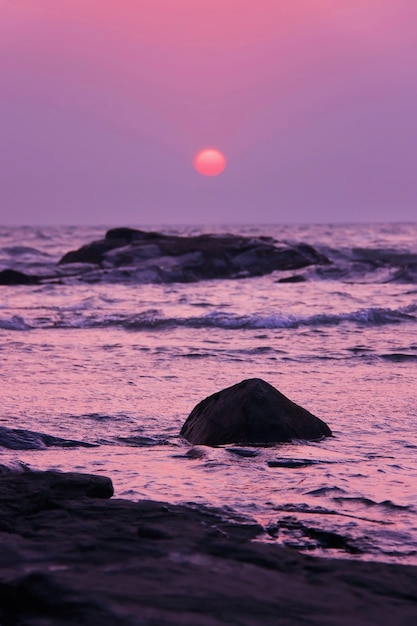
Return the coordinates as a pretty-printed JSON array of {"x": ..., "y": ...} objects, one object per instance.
[{"x": 100, "y": 377}]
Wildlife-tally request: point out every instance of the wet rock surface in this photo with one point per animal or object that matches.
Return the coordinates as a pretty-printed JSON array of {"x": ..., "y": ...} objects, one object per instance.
[
  {"x": 71, "y": 555},
  {"x": 156, "y": 257},
  {"x": 14, "y": 277},
  {"x": 23, "y": 439},
  {"x": 250, "y": 412}
]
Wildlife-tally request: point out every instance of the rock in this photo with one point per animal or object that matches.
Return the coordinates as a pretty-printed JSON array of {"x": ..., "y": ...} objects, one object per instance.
[
  {"x": 90, "y": 253},
  {"x": 22, "y": 439},
  {"x": 131, "y": 234},
  {"x": 88, "y": 560},
  {"x": 44, "y": 487},
  {"x": 292, "y": 463},
  {"x": 250, "y": 412},
  {"x": 171, "y": 258},
  {"x": 13, "y": 277},
  {"x": 292, "y": 279}
]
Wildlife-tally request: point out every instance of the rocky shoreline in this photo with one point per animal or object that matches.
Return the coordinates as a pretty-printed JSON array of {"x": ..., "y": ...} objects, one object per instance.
[{"x": 72, "y": 554}]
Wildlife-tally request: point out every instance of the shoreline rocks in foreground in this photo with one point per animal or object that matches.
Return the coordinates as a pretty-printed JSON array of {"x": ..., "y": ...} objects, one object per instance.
[
  {"x": 70, "y": 555},
  {"x": 251, "y": 412}
]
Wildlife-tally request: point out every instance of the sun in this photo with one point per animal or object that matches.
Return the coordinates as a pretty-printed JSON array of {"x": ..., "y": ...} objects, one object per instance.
[{"x": 209, "y": 162}]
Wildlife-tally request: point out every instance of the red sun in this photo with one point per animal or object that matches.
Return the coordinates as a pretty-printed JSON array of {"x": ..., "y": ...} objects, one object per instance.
[{"x": 209, "y": 162}]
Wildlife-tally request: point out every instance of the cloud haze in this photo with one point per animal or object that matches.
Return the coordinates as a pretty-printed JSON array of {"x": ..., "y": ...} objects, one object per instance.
[{"x": 105, "y": 103}]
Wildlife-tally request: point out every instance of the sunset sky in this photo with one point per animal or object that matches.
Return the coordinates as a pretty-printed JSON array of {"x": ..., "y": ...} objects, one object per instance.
[{"x": 104, "y": 104}]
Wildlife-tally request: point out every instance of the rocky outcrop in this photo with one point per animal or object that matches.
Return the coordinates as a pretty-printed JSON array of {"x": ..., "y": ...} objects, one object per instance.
[
  {"x": 250, "y": 412},
  {"x": 69, "y": 555},
  {"x": 156, "y": 257}
]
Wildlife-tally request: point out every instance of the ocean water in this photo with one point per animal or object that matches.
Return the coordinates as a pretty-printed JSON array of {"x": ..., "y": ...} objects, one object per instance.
[{"x": 100, "y": 378}]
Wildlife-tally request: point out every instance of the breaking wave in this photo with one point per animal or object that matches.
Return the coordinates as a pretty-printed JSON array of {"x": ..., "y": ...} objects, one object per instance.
[
  {"x": 14, "y": 323},
  {"x": 153, "y": 319}
]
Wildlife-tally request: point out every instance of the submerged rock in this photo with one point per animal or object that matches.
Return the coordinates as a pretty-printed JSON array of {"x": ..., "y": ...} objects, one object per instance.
[
  {"x": 22, "y": 439},
  {"x": 251, "y": 412},
  {"x": 292, "y": 279},
  {"x": 13, "y": 277},
  {"x": 171, "y": 258}
]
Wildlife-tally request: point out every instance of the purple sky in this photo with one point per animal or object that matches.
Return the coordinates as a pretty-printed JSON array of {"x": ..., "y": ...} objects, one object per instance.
[{"x": 104, "y": 103}]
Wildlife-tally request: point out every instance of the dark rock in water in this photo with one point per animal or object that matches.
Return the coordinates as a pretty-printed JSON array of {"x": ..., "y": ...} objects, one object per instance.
[
  {"x": 22, "y": 439},
  {"x": 131, "y": 234},
  {"x": 90, "y": 253},
  {"x": 250, "y": 412},
  {"x": 156, "y": 257},
  {"x": 321, "y": 538},
  {"x": 292, "y": 279},
  {"x": 291, "y": 463},
  {"x": 244, "y": 452},
  {"x": 13, "y": 277}
]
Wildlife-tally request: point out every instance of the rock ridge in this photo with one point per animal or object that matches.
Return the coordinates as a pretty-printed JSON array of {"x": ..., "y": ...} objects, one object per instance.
[
  {"x": 158, "y": 257},
  {"x": 70, "y": 555}
]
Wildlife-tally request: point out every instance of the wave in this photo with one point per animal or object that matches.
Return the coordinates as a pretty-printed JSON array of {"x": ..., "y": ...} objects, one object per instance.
[
  {"x": 368, "y": 503},
  {"x": 14, "y": 323},
  {"x": 23, "y": 250},
  {"x": 307, "y": 510},
  {"x": 153, "y": 319},
  {"x": 399, "y": 357}
]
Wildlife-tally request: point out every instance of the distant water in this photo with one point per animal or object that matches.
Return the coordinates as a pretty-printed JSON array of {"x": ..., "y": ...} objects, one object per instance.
[{"x": 100, "y": 377}]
